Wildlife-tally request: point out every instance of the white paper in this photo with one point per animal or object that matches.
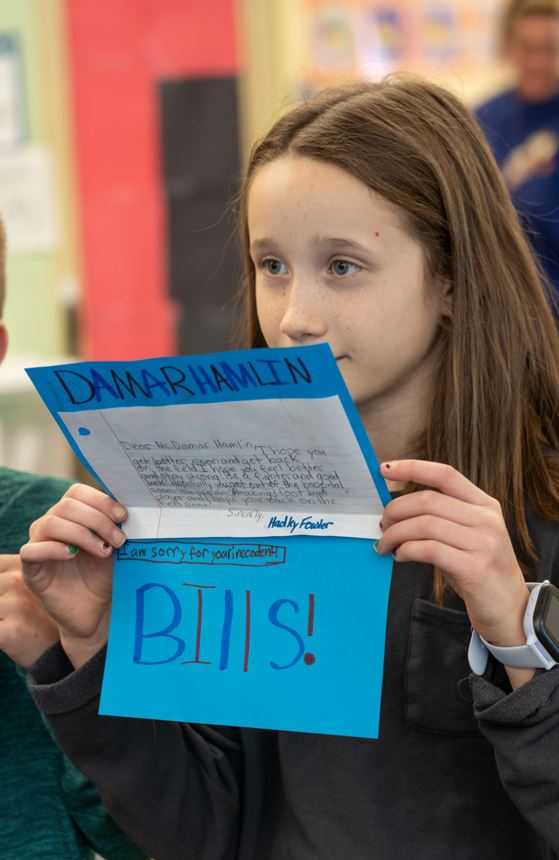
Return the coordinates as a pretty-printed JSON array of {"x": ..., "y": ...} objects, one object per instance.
[{"x": 251, "y": 468}]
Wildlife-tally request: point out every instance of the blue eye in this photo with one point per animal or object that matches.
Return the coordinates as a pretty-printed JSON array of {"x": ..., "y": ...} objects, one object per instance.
[
  {"x": 341, "y": 268},
  {"x": 273, "y": 266}
]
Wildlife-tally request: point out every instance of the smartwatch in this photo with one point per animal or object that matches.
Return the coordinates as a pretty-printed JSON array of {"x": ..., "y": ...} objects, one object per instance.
[{"x": 541, "y": 628}]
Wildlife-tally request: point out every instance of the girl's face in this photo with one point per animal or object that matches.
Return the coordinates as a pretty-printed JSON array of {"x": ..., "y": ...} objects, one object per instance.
[{"x": 334, "y": 264}]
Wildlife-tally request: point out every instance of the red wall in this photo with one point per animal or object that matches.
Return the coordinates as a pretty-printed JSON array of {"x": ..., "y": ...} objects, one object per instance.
[{"x": 118, "y": 52}]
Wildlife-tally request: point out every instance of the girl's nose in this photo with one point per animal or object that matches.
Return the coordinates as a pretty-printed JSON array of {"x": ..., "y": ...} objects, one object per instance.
[{"x": 304, "y": 318}]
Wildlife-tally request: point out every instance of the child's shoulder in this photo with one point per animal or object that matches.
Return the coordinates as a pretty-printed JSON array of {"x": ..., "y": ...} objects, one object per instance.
[
  {"x": 14, "y": 483},
  {"x": 498, "y": 107},
  {"x": 23, "y": 498}
]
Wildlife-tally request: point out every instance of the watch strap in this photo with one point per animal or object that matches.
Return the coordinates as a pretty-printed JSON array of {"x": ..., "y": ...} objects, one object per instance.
[{"x": 532, "y": 655}]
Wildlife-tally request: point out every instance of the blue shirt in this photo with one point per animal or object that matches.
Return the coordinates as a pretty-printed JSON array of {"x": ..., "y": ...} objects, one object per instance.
[{"x": 508, "y": 122}]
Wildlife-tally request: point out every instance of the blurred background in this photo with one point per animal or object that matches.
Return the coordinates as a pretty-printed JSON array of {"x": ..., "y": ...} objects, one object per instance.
[{"x": 124, "y": 126}]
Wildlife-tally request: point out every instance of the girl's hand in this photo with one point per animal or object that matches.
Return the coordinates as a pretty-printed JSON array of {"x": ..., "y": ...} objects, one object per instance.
[
  {"x": 461, "y": 531},
  {"x": 68, "y": 565},
  {"x": 26, "y": 631}
]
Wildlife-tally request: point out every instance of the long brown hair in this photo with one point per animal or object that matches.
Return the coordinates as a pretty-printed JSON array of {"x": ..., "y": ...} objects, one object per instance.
[{"x": 495, "y": 406}]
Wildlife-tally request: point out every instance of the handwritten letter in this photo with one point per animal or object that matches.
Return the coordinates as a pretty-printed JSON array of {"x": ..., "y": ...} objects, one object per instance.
[{"x": 248, "y": 593}]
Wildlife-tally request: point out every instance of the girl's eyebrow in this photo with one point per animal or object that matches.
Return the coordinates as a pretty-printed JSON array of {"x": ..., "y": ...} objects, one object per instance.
[
  {"x": 262, "y": 244},
  {"x": 265, "y": 242},
  {"x": 338, "y": 242}
]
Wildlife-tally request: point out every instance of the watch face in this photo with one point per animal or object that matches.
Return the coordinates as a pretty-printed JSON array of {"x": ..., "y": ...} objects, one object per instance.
[{"x": 546, "y": 619}]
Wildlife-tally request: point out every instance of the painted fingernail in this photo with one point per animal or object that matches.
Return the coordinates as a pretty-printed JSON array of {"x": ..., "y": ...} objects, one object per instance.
[{"x": 73, "y": 550}]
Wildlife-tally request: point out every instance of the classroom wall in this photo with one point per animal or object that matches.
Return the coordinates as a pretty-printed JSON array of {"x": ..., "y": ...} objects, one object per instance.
[
  {"x": 43, "y": 277},
  {"x": 273, "y": 44},
  {"x": 120, "y": 52},
  {"x": 120, "y": 55},
  {"x": 90, "y": 71},
  {"x": 295, "y": 46}
]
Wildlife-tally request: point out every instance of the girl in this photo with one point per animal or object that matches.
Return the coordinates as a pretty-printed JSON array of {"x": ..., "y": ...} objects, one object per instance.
[{"x": 373, "y": 218}]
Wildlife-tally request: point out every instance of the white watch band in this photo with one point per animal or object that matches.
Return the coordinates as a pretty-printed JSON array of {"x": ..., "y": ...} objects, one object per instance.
[{"x": 532, "y": 655}]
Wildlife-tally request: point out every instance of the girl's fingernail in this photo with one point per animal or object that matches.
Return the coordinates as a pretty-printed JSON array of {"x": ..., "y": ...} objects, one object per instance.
[
  {"x": 73, "y": 550},
  {"x": 119, "y": 513},
  {"x": 119, "y": 538}
]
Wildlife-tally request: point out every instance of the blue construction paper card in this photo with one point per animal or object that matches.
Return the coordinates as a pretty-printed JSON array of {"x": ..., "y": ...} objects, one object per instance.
[
  {"x": 248, "y": 593},
  {"x": 283, "y": 634}
]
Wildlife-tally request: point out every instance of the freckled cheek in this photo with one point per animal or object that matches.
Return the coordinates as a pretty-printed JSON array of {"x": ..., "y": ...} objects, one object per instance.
[
  {"x": 366, "y": 331},
  {"x": 270, "y": 315}
]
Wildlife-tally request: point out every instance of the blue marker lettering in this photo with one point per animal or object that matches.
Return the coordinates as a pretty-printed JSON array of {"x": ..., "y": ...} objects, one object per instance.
[
  {"x": 301, "y": 371},
  {"x": 127, "y": 384},
  {"x": 101, "y": 384},
  {"x": 273, "y": 618},
  {"x": 150, "y": 381},
  {"x": 240, "y": 378},
  {"x": 270, "y": 362},
  {"x": 78, "y": 386},
  {"x": 178, "y": 381},
  {"x": 221, "y": 380},
  {"x": 164, "y": 633},
  {"x": 226, "y": 631},
  {"x": 202, "y": 379}
]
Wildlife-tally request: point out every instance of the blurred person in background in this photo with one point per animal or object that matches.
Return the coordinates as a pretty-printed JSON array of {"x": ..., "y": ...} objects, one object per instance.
[
  {"x": 48, "y": 809},
  {"x": 522, "y": 125}
]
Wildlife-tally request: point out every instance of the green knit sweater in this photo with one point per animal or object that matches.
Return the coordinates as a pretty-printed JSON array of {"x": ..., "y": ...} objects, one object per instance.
[{"x": 48, "y": 810}]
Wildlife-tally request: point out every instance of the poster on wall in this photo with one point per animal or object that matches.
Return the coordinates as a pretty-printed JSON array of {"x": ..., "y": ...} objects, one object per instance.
[
  {"x": 381, "y": 39},
  {"x": 480, "y": 25},
  {"x": 28, "y": 200},
  {"x": 13, "y": 126},
  {"x": 372, "y": 38},
  {"x": 440, "y": 33},
  {"x": 332, "y": 37},
  {"x": 27, "y": 186}
]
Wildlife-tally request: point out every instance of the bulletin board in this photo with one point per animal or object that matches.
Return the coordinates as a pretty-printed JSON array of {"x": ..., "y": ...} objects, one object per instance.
[{"x": 444, "y": 40}]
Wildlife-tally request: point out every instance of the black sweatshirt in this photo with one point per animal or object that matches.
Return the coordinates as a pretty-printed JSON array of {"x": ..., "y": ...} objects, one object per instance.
[{"x": 464, "y": 768}]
